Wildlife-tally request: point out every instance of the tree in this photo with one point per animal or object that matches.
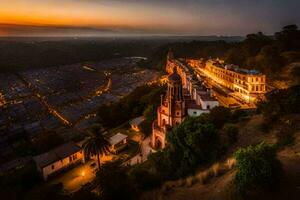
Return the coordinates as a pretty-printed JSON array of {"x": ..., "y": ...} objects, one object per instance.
[
  {"x": 231, "y": 132},
  {"x": 283, "y": 101},
  {"x": 258, "y": 168},
  {"x": 235, "y": 56},
  {"x": 114, "y": 182},
  {"x": 269, "y": 59},
  {"x": 289, "y": 38},
  {"x": 191, "y": 143},
  {"x": 96, "y": 144},
  {"x": 295, "y": 73},
  {"x": 219, "y": 116}
]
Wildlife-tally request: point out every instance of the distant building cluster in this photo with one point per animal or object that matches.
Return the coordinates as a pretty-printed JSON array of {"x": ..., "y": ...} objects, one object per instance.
[
  {"x": 197, "y": 94},
  {"x": 185, "y": 96},
  {"x": 196, "y": 86},
  {"x": 62, "y": 99}
]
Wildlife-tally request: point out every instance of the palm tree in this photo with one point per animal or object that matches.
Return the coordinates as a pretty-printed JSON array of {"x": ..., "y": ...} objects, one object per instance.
[{"x": 96, "y": 144}]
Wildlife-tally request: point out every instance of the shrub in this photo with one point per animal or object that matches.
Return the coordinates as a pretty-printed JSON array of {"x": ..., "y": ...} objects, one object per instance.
[
  {"x": 114, "y": 182},
  {"x": 231, "y": 132},
  {"x": 238, "y": 115},
  {"x": 258, "y": 168},
  {"x": 219, "y": 116}
]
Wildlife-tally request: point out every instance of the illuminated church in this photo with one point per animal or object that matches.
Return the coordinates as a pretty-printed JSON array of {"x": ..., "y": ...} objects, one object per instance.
[
  {"x": 185, "y": 96},
  {"x": 171, "y": 111}
]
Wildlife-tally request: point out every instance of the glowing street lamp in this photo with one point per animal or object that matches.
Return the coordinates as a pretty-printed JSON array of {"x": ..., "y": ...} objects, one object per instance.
[{"x": 83, "y": 173}]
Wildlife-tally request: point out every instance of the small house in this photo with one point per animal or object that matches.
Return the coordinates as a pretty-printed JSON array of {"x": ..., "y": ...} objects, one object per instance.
[
  {"x": 118, "y": 142},
  {"x": 136, "y": 123},
  {"x": 57, "y": 159}
]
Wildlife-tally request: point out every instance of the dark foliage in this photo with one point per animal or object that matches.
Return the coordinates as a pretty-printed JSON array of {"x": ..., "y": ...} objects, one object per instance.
[
  {"x": 268, "y": 54},
  {"x": 278, "y": 102},
  {"x": 258, "y": 168},
  {"x": 114, "y": 182},
  {"x": 192, "y": 143},
  {"x": 39, "y": 54},
  {"x": 231, "y": 131},
  {"x": 130, "y": 106},
  {"x": 219, "y": 116}
]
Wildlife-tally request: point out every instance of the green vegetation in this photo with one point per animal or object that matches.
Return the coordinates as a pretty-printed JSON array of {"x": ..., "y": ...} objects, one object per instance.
[
  {"x": 146, "y": 97},
  {"x": 190, "y": 144},
  {"x": 195, "y": 142},
  {"x": 157, "y": 60},
  {"x": 231, "y": 131},
  {"x": 279, "y": 102},
  {"x": 269, "y": 54},
  {"x": 258, "y": 168},
  {"x": 114, "y": 183},
  {"x": 96, "y": 144},
  {"x": 219, "y": 116}
]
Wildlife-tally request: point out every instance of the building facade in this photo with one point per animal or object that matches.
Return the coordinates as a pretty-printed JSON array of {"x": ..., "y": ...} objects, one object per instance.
[
  {"x": 170, "y": 113},
  {"x": 58, "y": 159},
  {"x": 248, "y": 85},
  {"x": 185, "y": 96}
]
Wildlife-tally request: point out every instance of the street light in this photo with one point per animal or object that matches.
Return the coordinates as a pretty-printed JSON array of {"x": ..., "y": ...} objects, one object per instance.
[
  {"x": 82, "y": 178},
  {"x": 83, "y": 173}
]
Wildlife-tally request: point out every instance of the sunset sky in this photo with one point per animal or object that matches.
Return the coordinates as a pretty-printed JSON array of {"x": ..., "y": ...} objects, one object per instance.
[{"x": 176, "y": 17}]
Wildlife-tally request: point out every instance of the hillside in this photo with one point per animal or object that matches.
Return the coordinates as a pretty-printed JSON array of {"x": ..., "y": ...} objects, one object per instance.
[{"x": 220, "y": 185}]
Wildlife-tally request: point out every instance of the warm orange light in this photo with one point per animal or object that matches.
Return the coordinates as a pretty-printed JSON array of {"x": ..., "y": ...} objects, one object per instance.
[{"x": 83, "y": 173}]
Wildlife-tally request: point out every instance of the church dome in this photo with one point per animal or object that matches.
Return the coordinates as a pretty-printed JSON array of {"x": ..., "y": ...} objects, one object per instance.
[{"x": 174, "y": 77}]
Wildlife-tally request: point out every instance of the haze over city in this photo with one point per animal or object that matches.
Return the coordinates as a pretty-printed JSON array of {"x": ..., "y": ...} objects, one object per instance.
[{"x": 139, "y": 17}]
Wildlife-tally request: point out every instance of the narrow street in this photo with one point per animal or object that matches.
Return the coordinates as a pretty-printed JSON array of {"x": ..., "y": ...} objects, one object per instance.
[{"x": 41, "y": 98}]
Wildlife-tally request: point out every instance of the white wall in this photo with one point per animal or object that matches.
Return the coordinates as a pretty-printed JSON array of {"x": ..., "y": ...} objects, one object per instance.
[
  {"x": 58, "y": 165},
  {"x": 208, "y": 104},
  {"x": 196, "y": 112}
]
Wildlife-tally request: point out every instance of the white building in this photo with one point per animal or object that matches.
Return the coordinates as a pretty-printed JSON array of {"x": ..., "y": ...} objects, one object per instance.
[
  {"x": 118, "y": 142},
  {"x": 136, "y": 123},
  {"x": 61, "y": 157}
]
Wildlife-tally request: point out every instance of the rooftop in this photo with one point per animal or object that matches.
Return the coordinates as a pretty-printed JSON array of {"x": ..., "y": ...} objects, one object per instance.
[
  {"x": 237, "y": 69},
  {"x": 56, "y": 154},
  {"x": 137, "y": 121},
  {"x": 207, "y": 97},
  {"x": 174, "y": 77},
  {"x": 117, "y": 138},
  {"x": 16, "y": 163}
]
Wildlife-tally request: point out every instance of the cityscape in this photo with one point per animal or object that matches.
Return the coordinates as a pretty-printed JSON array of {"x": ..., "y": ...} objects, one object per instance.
[{"x": 147, "y": 100}]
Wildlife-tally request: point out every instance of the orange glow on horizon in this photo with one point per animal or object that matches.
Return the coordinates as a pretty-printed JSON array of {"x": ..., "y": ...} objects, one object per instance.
[{"x": 89, "y": 14}]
